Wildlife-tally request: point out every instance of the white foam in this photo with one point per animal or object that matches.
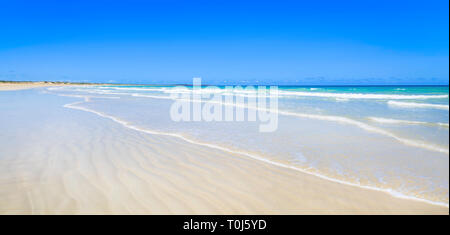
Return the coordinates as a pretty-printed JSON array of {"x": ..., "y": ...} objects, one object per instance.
[
  {"x": 137, "y": 89},
  {"x": 364, "y": 126},
  {"x": 442, "y": 124},
  {"x": 408, "y": 122},
  {"x": 89, "y": 96},
  {"x": 253, "y": 156},
  {"x": 417, "y": 105},
  {"x": 152, "y": 96},
  {"x": 395, "y": 121},
  {"x": 360, "y": 95},
  {"x": 287, "y": 93}
]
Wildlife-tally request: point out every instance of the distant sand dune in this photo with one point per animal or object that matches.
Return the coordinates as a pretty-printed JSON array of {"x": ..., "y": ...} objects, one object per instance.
[
  {"x": 7, "y": 86},
  {"x": 12, "y": 86}
]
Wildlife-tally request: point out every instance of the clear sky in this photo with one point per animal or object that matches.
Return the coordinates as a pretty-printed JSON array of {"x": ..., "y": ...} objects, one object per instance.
[{"x": 226, "y": 42}]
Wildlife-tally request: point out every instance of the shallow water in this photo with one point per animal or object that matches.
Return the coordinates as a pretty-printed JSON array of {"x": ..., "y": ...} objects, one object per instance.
[{"x": 391, "y": 138}]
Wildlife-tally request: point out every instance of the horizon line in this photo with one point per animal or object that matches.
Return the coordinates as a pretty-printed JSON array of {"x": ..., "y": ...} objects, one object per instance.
[{"x": 186, "y": 84}]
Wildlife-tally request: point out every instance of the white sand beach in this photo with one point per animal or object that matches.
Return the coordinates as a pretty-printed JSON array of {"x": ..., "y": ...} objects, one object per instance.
[
  {"x": 57, "y": 160},
  {"x": 12, "y": 86}
]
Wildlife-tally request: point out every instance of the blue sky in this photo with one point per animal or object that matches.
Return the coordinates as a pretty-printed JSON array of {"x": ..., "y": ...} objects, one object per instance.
[{"x": 226, "y": 42}]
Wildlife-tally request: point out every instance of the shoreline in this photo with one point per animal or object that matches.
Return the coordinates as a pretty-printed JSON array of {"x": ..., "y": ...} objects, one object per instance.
[
  {"x": 185, "y": 177},
  {"x": 255, "y": 157}
]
